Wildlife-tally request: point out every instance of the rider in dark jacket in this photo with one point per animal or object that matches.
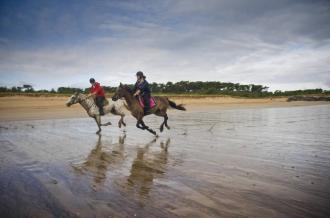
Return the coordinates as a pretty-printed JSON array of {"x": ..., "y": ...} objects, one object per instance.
[{"x": 142, "y": 88}]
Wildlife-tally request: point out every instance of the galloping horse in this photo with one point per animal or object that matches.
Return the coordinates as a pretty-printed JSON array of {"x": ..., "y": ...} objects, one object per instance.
[
  {"x": 92, "y": 110},
  {"x": 133, "y": 105}
]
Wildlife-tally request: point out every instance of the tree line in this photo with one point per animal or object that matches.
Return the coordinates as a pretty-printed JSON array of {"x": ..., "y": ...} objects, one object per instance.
[{"x": 185, "y": 87}]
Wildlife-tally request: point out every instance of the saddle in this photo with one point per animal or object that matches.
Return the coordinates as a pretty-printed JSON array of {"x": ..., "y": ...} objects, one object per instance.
[
  {"x": 105, "y": 102},
  {"x": 152, "y": 102}
]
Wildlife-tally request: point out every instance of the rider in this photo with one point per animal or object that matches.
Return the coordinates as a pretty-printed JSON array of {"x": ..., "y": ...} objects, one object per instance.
[
  {"x": 142, "y": 88},
  {"x": 97, "y": 91}
]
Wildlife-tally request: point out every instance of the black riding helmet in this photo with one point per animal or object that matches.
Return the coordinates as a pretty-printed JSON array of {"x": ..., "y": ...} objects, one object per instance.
[
  {"x": 140, "y": 73},
  {"x": 92, "y": 80}
]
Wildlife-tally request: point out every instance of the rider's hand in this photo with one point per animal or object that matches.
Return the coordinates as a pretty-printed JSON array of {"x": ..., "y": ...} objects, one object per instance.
[
  {"x": 136, "y": 93},
  {"x": 90, "y": 95}
]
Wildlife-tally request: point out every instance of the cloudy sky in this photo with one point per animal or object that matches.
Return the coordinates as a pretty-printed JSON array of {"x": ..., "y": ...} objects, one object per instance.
[{"x": 284, "y": 44}]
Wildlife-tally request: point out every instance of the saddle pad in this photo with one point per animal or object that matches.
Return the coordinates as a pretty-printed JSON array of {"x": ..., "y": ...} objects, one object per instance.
[{"x": 152, "y": 102}]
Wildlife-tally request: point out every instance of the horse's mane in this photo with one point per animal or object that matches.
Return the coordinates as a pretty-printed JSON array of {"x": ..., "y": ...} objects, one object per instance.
[
  {"x": 127, "y": 88},
  {"x": 80, "y": 93}
]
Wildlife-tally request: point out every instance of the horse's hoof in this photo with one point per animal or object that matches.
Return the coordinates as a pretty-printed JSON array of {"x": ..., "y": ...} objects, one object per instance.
[
  {"x": 168, "y": 127},
  {"x": 161, "y": 129}
]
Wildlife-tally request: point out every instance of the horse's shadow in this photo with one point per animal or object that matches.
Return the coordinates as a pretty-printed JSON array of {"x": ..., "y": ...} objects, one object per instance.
[
  {"x": 146, "y": 167},
  {"x": 99, "y": 160}
]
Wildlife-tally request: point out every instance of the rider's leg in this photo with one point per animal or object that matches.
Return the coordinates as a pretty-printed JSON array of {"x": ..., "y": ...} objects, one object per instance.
[
  {"x": 146, "y": 99},
  {"x": 99, "y": 102}
]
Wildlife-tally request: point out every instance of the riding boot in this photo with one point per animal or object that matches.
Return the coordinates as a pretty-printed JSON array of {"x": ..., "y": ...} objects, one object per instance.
[
  {"x": 146, "y": 111},
  {"x": 101, "y": 111}
]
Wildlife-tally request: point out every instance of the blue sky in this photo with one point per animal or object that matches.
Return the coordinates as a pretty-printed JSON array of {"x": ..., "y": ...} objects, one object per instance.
[{"x": 283, "y": 44}]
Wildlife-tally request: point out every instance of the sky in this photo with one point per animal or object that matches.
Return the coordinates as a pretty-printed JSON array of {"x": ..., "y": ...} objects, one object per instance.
[{"x": 282, "y": 44}]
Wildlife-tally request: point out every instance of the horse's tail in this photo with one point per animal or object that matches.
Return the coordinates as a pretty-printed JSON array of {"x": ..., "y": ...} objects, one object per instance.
[{"x": 174, "y": 105}]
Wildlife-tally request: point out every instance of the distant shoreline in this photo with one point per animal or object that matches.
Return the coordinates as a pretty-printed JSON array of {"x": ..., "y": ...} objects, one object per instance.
[
  {"x": 53, "y": 107},
  {"x": 193, "y": 95}
]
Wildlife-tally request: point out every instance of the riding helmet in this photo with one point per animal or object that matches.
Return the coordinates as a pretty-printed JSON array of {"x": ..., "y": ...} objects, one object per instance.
[{"x": 140, "y": 73}]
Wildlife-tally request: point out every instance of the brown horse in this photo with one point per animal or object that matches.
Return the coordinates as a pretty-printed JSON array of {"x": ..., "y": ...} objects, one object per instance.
[{"x": 133, "y": 105}]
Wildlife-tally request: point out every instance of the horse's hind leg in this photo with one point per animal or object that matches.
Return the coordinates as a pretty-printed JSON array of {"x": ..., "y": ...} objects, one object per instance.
[
  {"x": 164, "y": 115},
  {"x": 164, "y": 123},
  {"x": 121, "y": 121}
]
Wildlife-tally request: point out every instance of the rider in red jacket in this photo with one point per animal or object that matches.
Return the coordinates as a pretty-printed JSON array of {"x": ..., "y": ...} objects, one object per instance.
[{"x": 97, "y": 90}]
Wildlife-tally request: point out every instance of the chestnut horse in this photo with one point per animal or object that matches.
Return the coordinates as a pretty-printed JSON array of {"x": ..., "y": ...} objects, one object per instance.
[{"x": 133, "y": 105}]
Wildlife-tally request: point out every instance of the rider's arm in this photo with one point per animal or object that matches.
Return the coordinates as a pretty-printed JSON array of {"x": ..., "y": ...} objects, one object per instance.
[
  {"x": 95, "y": 90},
  {"x": 137, "y": 92},
  {"x": 91, "y": 94},
  {"x": 136, "y": 89}
]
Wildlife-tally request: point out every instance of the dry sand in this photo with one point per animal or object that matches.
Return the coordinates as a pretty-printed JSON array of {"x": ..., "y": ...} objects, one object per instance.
[{"x": 38, "y": 108}]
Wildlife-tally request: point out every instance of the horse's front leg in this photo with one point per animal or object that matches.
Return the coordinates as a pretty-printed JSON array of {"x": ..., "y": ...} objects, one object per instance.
[
  {"x": 106, "y": 124},
  {"x": 147, "y": 128},
  {"x": 98, "y": 122},
  {"x": 165, "y": 119}
]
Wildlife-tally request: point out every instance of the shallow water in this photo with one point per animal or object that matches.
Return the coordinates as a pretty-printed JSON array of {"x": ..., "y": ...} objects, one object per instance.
[{"x": 253, "y": 162}]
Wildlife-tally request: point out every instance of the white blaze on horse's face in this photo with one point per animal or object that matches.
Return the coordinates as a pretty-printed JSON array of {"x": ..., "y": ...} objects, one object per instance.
[{"x": 72, "y": 100}]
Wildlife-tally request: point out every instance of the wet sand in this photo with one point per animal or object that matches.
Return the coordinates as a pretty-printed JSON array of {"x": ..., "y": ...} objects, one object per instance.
[{"x": 214, "y": 162}]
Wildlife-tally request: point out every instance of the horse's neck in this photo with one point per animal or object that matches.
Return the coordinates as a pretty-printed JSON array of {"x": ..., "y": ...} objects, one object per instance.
[
  {"x": 131, "y": 101},
  {"x": 86, "y": 103}
]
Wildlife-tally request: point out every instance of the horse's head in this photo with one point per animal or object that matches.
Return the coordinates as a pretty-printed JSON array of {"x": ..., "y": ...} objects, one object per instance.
[
  {"x": 74, "y": 99},
  {"x": 121, "y": 91}
]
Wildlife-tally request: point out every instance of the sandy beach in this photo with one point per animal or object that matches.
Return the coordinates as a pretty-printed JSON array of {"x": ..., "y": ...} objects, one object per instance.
[
  {"x": 227, "y": 158},
  {"x": 31, "y": 108}
]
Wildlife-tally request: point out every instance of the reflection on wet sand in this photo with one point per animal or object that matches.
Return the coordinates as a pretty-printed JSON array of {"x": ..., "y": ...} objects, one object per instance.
[
  {"x": 146, "y": 167},
  {"x": 258, "y": 162},
  {"x": 99, "y": 159}
]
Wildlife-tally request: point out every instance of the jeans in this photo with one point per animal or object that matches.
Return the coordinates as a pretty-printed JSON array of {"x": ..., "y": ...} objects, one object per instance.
[{"x": 99, "y": 102}]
